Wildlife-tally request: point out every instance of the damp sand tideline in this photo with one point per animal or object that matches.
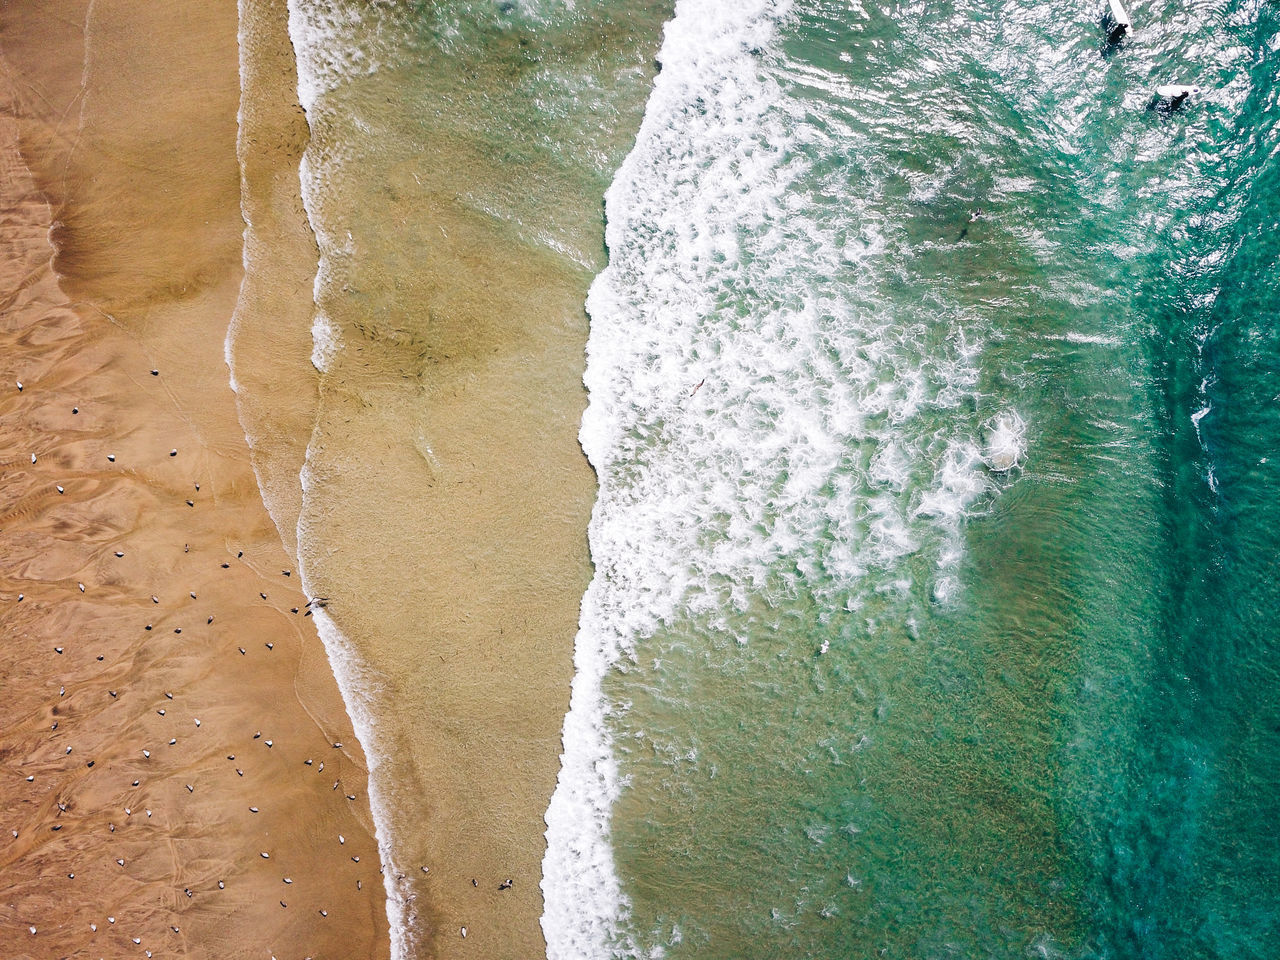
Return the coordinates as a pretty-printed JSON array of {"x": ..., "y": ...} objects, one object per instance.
[
  {"x": 453, "y": 182},
  {"x": 170, "y": 720}
]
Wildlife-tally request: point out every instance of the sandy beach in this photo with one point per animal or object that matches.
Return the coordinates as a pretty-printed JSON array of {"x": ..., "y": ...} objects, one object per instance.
[{"x": 178, "y": 772}]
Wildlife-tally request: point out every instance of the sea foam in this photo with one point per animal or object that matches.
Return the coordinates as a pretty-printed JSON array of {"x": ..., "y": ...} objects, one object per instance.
[
  {"x": 707, "y": 51},
  {"x": 762, "y": 416},
  {"x": 329, "y": 52}
]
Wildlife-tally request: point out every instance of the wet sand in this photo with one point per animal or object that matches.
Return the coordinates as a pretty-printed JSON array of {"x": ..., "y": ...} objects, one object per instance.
[{"x": 143, "y": 589}]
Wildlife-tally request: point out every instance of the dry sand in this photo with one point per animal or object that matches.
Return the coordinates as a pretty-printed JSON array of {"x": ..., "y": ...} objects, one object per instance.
[{"x": 119, "y": 129}]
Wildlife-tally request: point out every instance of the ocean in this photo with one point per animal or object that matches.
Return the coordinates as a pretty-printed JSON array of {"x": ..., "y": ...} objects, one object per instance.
[{"x": 932, "y": 375}]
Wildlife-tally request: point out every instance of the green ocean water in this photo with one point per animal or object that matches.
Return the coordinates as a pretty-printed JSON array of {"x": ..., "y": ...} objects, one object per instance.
[{"x": 1035, "y": 720}]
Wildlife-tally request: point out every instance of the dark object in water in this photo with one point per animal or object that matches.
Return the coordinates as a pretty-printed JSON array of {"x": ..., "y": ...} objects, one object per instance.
[
  {"x": 1115, "y": 21},
  {"x": 1171, "y": 96}
]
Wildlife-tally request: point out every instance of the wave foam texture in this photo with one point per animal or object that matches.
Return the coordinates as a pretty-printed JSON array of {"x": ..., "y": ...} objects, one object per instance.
[
  {"x": 331, "y": 45},
  {"x": 761, "y": 411}
]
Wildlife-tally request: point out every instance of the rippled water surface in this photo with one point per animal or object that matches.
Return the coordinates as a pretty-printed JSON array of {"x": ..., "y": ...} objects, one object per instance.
[{"x": 845, "y": 687}]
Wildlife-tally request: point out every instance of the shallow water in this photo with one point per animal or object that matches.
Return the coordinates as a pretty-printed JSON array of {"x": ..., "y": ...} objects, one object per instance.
[{"x": 453, "y": 175}]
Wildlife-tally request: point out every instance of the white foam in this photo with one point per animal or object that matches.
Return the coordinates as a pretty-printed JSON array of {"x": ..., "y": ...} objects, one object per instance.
[
  {"x": 816, "y": 434},
  {"x": 705, "y": 52},
  {"x": 1006, "y": 441},
  {"x": 359, "y": 685},
  {"x": 330, "y": 43}
]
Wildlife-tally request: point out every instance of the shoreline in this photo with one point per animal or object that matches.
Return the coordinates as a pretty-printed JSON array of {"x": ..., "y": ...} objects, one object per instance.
[
  {"x": 137, "y": 183},
  {"x": 446, "y": 497}
]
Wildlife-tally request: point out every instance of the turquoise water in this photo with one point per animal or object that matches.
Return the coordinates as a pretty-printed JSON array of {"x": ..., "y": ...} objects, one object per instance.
[{"x": 844, "y": 688}]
